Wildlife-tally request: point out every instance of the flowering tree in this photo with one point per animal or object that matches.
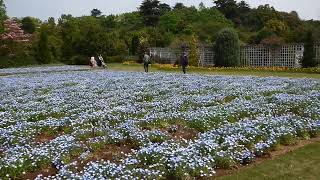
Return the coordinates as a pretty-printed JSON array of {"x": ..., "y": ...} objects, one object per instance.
[{"x": 13, "y": 37}]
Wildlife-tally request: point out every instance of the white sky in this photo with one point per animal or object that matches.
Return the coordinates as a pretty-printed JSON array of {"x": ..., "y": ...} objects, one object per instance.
[{"x": 307, "y": 9}]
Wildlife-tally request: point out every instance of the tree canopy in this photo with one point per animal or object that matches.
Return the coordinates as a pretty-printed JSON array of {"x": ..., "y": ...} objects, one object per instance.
[{"x": 155, "y": 23}]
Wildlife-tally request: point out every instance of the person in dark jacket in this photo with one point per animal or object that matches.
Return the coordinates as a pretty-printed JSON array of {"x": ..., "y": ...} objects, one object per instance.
[
  {"x": 146, "y": 62},
  {"x": 184, "y": 62}
]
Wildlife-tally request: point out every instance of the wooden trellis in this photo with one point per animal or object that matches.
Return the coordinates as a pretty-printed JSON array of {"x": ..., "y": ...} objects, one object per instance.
[
  {"x": 163, "y": 55},
  {"x": 206, "y": 56},
  {"x": 289, "y": 55}
]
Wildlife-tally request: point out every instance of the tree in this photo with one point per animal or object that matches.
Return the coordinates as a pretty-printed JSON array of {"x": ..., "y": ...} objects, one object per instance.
[
  {"x": 28, "y": 25},
  {"x": 3, "y": 16},
  {"x": 164, "y": 8},
  {"x": 96, "y": 13},
  {"x": 135, "y": 43},
  {"x": 227, "y": 7},
  {"x": 150, "y": 11},
  {"x": 179, "y": 6},
  {"x": 227, "y": 48},
  {"x": 309, "y": 53},
  {"x": 193, "y": 54},
  {"x": 51, "y": 21},
  {"x": 43, "y": 54},
  {"x": 13, "y": 37},
  {"x": 276, "y": 26}
]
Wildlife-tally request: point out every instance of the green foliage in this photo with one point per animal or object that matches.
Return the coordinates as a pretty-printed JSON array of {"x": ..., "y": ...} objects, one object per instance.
[
  {"x": 115, "y": 59},
  {"x": 135, "y": 42},
  {"x": 276, "y": 26},
  {"x": 309, "y": 53},
  {"x": 79, "y": 60},
  {"x": 3, "y": 15},
  {"x": 96, "y": 13},
  {"x": 150, "y": 10},
  {"x": 227, "y": 48},
  {"x": 28, "y": 25},
  {"x": 17, "y": 61},
  {"x": 43, "y": 54},
  {"x": 193, "y": 54},
  {"x": 164, "y": 8}
]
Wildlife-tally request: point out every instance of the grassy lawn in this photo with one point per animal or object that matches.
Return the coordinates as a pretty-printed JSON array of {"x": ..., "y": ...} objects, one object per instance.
[
  {"x": 303, "y": 163},
  {"x": 262, "y": 73}
]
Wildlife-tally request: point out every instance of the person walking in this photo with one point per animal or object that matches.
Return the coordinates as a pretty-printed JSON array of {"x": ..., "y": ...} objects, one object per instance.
[
  {"x": 184, "y": 62},
  {"x": 146, "y": 62}
]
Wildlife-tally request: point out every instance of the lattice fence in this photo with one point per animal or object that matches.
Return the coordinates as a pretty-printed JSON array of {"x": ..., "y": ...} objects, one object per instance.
[
  {"x": 206, "y": 56},
  {"x": 163, "y": 55},
  {"x": 289, "y": 55}
]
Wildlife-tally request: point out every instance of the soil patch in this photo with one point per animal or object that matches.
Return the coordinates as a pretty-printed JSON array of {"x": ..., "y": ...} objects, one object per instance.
[
  {"x": 111, "y": 152},
  {"x": 179, "y": 132},
  {"x": 46, "y": 172}
]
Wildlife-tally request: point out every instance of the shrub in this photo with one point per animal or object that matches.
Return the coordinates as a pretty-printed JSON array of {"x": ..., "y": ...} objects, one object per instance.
[
  {"x": 79, "y": 60},
  {"x": 309, "y": 54},
  {"x": 6, "y": 62},
  {"x": 115, "y": 59},
  {"x": 227, "y": 48}
]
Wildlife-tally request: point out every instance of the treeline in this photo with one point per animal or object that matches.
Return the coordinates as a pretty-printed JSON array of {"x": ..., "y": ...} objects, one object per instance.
[{"x": 72, "y": 40}]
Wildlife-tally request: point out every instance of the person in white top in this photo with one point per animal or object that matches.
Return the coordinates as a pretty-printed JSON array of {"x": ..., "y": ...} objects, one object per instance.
[{"x": 93, "y": 62}]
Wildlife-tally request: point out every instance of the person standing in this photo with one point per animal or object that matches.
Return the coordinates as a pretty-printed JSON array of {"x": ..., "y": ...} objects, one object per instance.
[
  {"x": 99, "y": 63},
  {"x": 146, "y": 62},
  {"x": 184, "y": 62},
  {"x": 93, "y": 62},
  {"x": 103, "y": 64}
]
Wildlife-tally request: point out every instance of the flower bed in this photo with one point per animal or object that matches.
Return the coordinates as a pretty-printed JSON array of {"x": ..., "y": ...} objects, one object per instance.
[
  {"x": 85, "y": 125},
  {"x": 10, "y": 71}
]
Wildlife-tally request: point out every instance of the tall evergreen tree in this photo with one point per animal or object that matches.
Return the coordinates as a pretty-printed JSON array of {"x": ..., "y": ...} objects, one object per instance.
[
  {"x": 3, "y": 15},
  {"x": 309, "y": 53},
  {"x": 96, "y": 13},
  {"x": 150, "y": 11},
  {"x": 28, "y": 25},
  {"x": 164, "y": 8},
  {"x": 227, "y": 49},
  {"x": 43, "y": 51}
]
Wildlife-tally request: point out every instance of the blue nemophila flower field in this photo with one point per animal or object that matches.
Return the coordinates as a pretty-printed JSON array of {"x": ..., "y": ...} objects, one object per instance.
[{"x": 129, "y": 125}]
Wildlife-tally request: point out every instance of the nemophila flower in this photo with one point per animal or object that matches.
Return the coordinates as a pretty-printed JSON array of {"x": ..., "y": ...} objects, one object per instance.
[{"x": 235, "y": 119}]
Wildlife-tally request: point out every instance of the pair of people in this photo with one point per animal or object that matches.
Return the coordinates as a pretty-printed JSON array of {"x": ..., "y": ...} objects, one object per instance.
[
  {"x": 97, "y": 63},
  {"x": 184, "y": 62}
]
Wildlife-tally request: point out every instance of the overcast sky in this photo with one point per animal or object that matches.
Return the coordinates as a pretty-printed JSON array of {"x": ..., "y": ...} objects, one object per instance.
[{"x": 307, "y": 9}]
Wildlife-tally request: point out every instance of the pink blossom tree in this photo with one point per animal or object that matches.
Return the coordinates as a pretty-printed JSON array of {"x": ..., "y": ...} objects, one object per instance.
[{"x": 13, "y": 37}]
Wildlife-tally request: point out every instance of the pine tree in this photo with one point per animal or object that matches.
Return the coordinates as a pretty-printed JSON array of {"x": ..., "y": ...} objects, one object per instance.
[
  {"x": 3, "y": 16},
  {"x": 43, "y": 51},
  {"x": 150, "y": 10}
]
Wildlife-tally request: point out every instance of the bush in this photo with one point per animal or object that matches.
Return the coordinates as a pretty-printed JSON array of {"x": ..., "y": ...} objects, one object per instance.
[
  {"x": 227, "y": 48},
  {"x": 6, "y": 62},
  {"x": 309, "y": 53},
  {"x": 79, "y": 60},
  {"x": 115, "y": 59}
]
